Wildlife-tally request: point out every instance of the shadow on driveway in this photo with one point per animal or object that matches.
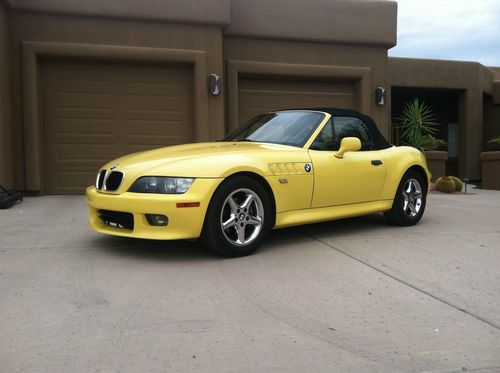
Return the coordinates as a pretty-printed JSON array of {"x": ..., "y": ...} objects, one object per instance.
[
  {"x": 155, "y": 250},
  {"x": 194, "y": 251}
]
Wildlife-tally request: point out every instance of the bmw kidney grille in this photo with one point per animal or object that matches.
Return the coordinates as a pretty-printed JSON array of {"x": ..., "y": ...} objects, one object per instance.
[
  {"x": 100, "y": 179},
  {"x": 113, "y": 181}
]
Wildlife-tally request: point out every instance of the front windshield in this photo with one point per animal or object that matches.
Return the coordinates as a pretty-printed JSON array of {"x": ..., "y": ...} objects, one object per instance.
[{"x": 286, "y": 127}]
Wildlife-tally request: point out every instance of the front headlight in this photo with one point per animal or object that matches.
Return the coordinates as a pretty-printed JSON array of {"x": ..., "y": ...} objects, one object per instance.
[{"x": 161, "y": 185}]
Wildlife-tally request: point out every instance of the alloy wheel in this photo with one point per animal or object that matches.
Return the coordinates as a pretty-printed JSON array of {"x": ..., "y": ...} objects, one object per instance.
[
  {"x": 242, "y": 217},
  {"x": 412, "y": 197}
]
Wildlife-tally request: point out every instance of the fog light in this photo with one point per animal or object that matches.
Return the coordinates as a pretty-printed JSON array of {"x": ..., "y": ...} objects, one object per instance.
[{"x": 157, "y": 220}]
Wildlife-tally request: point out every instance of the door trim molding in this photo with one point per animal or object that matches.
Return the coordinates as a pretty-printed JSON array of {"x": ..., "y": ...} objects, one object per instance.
[{"x": 32, "y": 52}]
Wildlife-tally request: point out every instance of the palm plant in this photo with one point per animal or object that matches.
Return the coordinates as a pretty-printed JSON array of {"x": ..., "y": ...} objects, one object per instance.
[
  {"x": 495, "y": 141},
  {"x": 418, "y": 126}
]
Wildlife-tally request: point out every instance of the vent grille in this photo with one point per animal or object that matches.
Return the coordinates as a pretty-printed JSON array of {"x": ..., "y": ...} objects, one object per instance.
[
  {"x": 114, "y": 180},
  {"x": 117, "y": 219},
  {"x": 100, "y": 179}
]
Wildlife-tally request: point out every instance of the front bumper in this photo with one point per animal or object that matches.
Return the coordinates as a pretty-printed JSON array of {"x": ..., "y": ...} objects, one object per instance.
[{"x": 184, "y": 222}]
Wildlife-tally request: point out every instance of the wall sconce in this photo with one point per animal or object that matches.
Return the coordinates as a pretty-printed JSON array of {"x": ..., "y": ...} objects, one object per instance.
[
  {"x": 214, "y": 84},
  {"x": 380, "y": 96}
]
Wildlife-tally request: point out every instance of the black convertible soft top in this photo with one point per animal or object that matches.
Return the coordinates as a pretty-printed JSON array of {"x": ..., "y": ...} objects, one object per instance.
[{"x": 379, "y": 140}]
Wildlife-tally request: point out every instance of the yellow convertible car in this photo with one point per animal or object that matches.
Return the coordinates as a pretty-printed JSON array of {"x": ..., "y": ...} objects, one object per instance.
[{"x": 278, "y": 170}]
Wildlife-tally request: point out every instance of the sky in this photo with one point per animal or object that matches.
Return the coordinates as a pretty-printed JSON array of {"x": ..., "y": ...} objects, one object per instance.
[{"x": 466, "y": 30}]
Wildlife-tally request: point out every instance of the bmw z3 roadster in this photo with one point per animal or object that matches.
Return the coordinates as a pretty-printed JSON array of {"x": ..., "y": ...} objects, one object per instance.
[{"x": 278, "y": 170}]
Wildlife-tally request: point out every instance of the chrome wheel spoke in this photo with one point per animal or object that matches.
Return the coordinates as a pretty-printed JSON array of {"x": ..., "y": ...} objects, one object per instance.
[
  {"x": 412, "y": 209},
  {"x": 231, "y": 222},
  {"x": 241, "y": 233},
  {"x": 254, "y": 220},
  {"x": 412, "y": 197},
  {"x": 247, "y": 202},
  {"x": 233, "y": 205}
]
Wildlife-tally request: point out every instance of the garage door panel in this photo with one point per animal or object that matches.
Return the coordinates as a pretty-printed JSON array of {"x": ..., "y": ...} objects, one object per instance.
[
  {"x": 74, "y": 179},
  {"x": 66, "y": 152},
  {"x": 156, "y": 88},
  {"x": 155, "y": 141},
  {"x": 298, "y": 85},
  {"x": 158, "y": 115},
  {"x": 84, "y": 138},
  {"x": 259, "y": 102},
  {"x": 154, "y": 127},
  {"x": 143, "y": 103},
  {"x": 95, "y": 112},
  {"x": 258, "y": 95},
  {"x": 83, "y": 114},
  {"x": 83, "y": 100},
  {"x": 80, "y": 126}
]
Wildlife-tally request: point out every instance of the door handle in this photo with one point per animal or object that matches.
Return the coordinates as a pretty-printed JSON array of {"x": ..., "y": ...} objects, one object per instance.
[{"x": 376, "y": 162}]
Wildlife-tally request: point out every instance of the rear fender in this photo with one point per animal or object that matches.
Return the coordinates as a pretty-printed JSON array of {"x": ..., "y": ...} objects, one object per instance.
[{"x": 399, "y": 160}]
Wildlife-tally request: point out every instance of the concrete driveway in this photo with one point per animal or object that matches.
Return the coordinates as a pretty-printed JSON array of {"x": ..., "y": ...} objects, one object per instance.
[{"x": 347, "y": 296}]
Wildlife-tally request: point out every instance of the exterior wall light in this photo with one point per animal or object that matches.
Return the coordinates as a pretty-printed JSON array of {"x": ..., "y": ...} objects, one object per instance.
[
  {"x": 380, "y": 96},
  {"x": 214, "y": 84}
]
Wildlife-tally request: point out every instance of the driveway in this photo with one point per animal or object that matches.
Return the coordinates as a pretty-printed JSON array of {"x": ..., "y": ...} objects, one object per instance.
[{"x": 349, "y": 296}]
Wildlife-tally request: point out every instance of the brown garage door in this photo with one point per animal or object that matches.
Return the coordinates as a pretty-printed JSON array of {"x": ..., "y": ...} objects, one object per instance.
[
  {"x": 258, "y": 95},
  {"x": 94, "y": 112}
]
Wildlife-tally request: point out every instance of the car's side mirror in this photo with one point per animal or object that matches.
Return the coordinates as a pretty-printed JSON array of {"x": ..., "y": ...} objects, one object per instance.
[{"x": 348, "y": 144}]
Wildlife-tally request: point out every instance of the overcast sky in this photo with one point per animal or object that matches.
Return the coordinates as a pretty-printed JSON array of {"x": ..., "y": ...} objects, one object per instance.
[{"x": 467, "y": 30}]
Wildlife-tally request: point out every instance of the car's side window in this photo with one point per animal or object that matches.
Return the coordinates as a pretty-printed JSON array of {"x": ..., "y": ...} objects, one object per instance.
[
  {"x": 324, "y": 140},
  {"x": 352, "y": 127}
]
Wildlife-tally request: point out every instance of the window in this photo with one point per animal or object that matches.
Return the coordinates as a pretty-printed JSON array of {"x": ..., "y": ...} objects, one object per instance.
[
  {"x": 352, "y": 127},
  {"x": 324, "y": 140},
  {"x": 286, "y": 127},
  {"x": 331, "y": 135}
]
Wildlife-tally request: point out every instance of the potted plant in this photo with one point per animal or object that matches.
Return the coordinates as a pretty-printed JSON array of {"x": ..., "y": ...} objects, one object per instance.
[
  {"x": 493, "y": 144},
  {"x": 490, "y": 165},
  {"x": 418, "y": 127}
]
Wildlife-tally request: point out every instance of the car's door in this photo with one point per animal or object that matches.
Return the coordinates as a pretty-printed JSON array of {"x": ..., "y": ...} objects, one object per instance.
[{"x": 358, "y": 177}]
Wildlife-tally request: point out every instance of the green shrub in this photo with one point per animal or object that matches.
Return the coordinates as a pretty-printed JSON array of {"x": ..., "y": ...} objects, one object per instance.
[
  {"x": 495, "y": 141},
  {"x": 458, "y": 183},
  {"x": 445, "y": 184},
  {"x": 418, "y": 126}
]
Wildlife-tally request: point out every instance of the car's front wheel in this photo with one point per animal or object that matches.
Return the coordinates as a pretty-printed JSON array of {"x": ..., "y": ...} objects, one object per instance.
[
  {"x": 238, "y": 217},
  {"x": 409, "y": 202}
]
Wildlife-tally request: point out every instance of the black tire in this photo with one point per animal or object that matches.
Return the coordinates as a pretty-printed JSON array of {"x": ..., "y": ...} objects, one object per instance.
[
  {"x": 398, "y": 214},
  {"x": 222, "y": 241}
]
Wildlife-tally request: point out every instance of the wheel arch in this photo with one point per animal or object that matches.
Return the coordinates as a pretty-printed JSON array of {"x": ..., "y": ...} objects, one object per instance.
[
  {"x": 421, "y": 171},
  {"x": 262, "y": 181}
]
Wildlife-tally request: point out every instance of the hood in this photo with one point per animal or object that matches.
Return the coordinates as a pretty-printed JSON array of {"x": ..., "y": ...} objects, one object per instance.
[{"x": 210, "y": 160}]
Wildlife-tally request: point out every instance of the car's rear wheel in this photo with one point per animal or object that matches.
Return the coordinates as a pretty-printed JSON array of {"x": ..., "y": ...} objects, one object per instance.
[
  {"x": 409, "y": 202},
  {"x": 238, "y": 217}
]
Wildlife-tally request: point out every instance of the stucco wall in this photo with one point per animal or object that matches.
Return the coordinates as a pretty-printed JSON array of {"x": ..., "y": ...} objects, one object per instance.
[
  {"x": 191, "y": 11},
  {"x": 496, "y": 72},
  {"x": 5, "y": 107},
  {"x": 471, "y": 79},
  {"x": 356, "y": 21},
  {"x": 294, "y": 52},
  {"x": 367, "y": 22},
  {"x": 355, "y": 33},
  {"x": 412, "y": 72},
  {"x": 491, "y": 120},
  {"x": 36, "y": 27}
]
